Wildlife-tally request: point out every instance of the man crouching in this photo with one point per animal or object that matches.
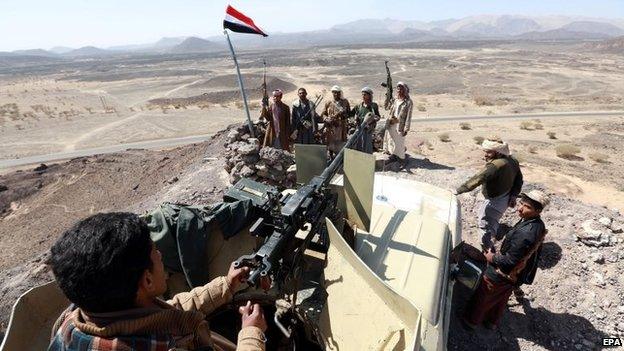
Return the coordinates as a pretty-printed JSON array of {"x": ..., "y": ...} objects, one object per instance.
[{"x": 109, "y": 268}]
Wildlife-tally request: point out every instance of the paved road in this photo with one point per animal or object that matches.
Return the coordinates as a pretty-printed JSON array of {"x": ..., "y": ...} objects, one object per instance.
[
  {"x": 165, "y": 143},
  {"x": 150, "y": 144}
]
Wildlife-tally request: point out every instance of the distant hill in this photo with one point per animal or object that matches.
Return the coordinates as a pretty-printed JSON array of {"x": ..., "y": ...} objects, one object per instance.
[
  {"x": 35, "y": 52},
  {"x": 615, "y": 45},
  {"x": 561, "y": 34},
  {"x": 60, "y": 49},
  {"x": 194, "y": 44},
  {"x": 169, "y": 42},
  {"x": 594, "y": 27},
  {"x": 87, "y": 51}
]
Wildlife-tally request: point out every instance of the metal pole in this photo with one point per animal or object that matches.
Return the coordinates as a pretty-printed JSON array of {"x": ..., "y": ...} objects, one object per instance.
[{"x": 240, "y": 85}]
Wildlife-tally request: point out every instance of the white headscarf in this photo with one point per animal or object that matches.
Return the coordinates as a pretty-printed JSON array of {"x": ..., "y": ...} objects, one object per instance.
[{"x": 500, "y": 147}]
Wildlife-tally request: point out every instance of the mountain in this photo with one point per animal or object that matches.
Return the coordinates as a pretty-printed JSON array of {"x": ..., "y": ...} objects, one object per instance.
[
  {"x": 560, "y": 34},
  {"x": 168, "y": 42},
  {"x": 615, "y": 45},
  {"x": 194, "y": 44},
  {"x": 60, "y": 50},
  {"x": 35, "y": 52},
  {"x": 500, "y": 27},
  {"x": 594, "y": 27},
  {"x": 87, "y": 51}
]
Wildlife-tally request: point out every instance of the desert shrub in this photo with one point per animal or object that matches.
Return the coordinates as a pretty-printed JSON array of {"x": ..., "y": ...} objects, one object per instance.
[
  {"x": 421, "y": 108},
  {"x": 526, "y": 125},
  {"x": 599, "y": 158},
  {"x": 239, "y": 105},
  {"x": 481, "y": 100},
  {"x": 428, "y": 145},
  {"x": 438, "y": 104},
  {"x": 552, "y": 135},
  {"x": 567, "y": 150},
  {"x": 532, "y": 149},
  {"x": 538, "y": 126},
  {"x": 478, "y": 140},
  {"x": 254, "y": 105},
  {"x": 444, "y": 137},
  {"x": 536, "y": 120},
  {"x": 465, "y": 126}
]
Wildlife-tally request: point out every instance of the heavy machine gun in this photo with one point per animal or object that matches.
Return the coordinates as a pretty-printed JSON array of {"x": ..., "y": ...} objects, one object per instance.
[{"x": 305, "y": 210}]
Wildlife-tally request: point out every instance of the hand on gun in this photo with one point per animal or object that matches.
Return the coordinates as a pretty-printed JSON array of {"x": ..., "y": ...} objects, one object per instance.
[{"x": 252, "y": 316}]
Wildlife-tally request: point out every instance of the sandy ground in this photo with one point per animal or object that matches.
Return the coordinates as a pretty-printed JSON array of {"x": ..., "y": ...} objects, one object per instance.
[{"x": 84, "y": 104}]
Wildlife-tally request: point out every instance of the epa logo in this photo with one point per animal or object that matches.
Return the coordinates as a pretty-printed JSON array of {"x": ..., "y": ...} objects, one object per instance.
[{"x": 612, "y": 342}]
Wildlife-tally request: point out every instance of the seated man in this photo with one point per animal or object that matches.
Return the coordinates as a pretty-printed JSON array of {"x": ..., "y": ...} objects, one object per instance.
[
  {"x": 109, "y": 268},
  {"x": 514, "y": 265}
]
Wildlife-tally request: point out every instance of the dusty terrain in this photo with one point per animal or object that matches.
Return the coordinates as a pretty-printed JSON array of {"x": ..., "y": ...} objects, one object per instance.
[
  {"x": 64, "y": 105},
  {"x": 577, "y": 296}
]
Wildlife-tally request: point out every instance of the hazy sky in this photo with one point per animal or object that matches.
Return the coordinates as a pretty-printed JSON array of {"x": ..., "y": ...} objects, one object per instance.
[{"x": 27, "y": 24}]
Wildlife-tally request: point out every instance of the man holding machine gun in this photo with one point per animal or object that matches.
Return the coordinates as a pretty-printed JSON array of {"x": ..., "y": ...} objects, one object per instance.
[{"x": 304, "y": 119}]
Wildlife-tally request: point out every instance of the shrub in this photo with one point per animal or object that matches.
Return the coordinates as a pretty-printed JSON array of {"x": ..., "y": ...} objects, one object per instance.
[
  {"x": 551, "y": 135},
  {"x": 538, "y": 126},
  {"x": 444, "y": 137},
  {"x": 421, "y": 108},
  {"x": 532, "y": 149},
  {"x": 483, "y": 101},
  {"x": 478, "y": 140},
  {"x": 599, "y": 158},
  {"x": 465, "y": 126},
  {"x": 567, "y": 150},
  {"x": 526, "y": 125}
]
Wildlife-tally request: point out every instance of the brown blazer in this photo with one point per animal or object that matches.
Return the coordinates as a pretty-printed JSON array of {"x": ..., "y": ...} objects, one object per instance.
[{"x": 284, "y": 127}]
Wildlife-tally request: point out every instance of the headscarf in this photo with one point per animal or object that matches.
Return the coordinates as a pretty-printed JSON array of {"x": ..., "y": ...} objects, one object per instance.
[
  {"x": 367, "y": 90},
  {"x": 500, "y": 147},
  {"x": 277, "y": 92}
]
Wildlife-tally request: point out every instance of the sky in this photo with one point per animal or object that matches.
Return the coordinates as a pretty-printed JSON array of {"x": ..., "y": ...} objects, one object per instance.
[{"x": 29, "y": 24}]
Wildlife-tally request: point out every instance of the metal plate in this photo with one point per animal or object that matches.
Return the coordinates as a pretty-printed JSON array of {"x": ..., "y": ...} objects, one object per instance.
[{"x": 311, "y": 160}]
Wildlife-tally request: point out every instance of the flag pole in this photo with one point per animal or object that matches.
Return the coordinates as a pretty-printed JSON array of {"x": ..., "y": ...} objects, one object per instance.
[{"x": 240, "y": 84}]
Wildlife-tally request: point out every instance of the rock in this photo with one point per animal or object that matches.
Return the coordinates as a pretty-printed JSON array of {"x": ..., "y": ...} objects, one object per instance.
[
  {"x": 251, "y": 159},
  {"x": 620, "y": 310},
  {"x": 597, "y": 257},
  {"x": 246, "y": 171},
  {"x": 593, "y": 237},
  {"x": 41, "y": 168},
  {"x": 3, "y": 188},
  {"x": 606, "y": 221},
  {"x": 254, "y": 141},
  {"x": 599, "y": 280},
  {"x": 173, "y": 180},
  {"x": 233, "y": 136},
  {"x": 247, "y": 149}
]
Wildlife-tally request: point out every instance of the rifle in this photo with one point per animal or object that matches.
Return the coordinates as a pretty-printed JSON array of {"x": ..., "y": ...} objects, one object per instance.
[
  {"x": 307, "y": 209},
  {"x": 264, "y": 113},
  {"x": 388, "y": 85}
]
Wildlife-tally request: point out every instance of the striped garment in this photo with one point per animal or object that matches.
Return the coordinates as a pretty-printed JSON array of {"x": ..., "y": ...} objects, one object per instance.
[{"x": 70, "y": 338}]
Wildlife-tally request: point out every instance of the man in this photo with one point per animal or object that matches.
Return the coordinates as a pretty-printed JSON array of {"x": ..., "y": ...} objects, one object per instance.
[
  {"x": 501, "y": 181},
  {"x": 109, "y": 268},
  {"x": 360, "y": 111},
  {"x": 399, "y": 123},
  {"x": 304, "y": 119},
  {"x": 278, "y": 131},
  {"x": 335, "y": 115},
  {"x": 515, "y": 264}
]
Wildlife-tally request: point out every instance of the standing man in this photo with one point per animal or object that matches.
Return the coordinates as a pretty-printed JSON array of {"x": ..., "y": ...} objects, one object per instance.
[
  {"x": 501, "y": 181},
  {"x": 360, "y": 111},
  {"x": 278, "y": 132},
  {"x": 399, "y": 122},
  {"x": 304, "y": 119},
  {"x": 514, "y": 265},
  {"x": 336, "y": 113}
]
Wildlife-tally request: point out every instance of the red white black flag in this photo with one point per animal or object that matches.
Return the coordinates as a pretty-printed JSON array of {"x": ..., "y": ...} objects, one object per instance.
[{"x": 237, "y": 22}]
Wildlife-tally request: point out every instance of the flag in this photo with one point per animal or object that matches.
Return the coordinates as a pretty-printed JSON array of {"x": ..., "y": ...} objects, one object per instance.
[{"x": 237, "y": 22}]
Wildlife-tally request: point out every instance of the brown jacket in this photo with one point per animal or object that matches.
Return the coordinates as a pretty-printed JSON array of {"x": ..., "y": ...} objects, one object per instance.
[
  {"x": 284, "y": 127},
  {"x": 183, "y": 317}
]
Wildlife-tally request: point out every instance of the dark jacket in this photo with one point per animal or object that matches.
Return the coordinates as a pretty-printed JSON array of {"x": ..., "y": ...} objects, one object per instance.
[
  {"x": 499, "y": 177},
  {"x": 517, "y": 244}
]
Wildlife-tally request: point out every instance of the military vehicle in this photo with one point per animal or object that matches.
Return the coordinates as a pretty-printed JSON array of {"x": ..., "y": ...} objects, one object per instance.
[{"x": 359, "y": 261}]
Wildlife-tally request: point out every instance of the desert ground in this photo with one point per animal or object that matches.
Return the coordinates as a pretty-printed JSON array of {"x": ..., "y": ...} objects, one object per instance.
[{"x": 577, "y": 297}]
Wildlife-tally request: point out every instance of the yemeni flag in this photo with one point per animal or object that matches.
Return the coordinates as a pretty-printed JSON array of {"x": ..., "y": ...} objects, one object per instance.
[{"x": 237, "y": 22}]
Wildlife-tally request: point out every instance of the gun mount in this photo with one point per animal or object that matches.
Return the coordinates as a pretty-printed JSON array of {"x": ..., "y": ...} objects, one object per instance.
[{"x": 305, "y": 209}]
